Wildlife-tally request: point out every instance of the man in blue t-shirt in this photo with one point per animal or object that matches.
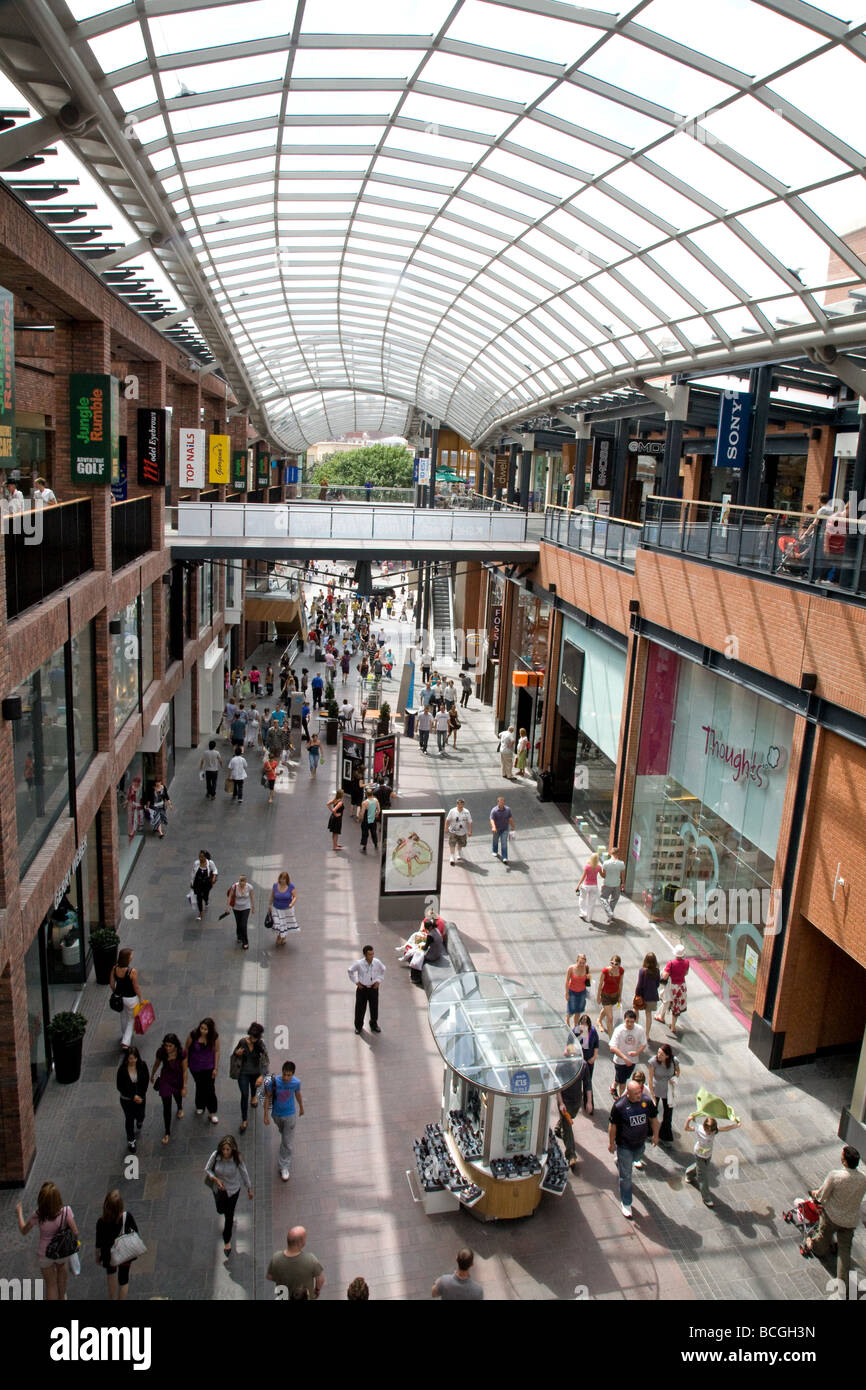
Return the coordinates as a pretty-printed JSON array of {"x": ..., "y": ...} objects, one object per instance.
[
  {"x": 317, "y": 685},
  {"x": 281, "y": 1095},
  {"x": 632, "y": 1120}
]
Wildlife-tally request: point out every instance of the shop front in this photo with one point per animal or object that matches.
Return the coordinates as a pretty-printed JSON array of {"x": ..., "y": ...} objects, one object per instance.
[
  {"x": 493, "y": 655},
  {"x": 130, "y": 817},
  {"x": 586, "y": 729},
  {"x": 711, "y": 775},
  {"x": 530, "y": 632}
]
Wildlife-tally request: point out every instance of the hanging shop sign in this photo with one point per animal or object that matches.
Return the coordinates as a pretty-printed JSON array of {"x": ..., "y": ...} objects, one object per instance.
[
  {"x": 120, "y": 489},
  {"x": 423, "y": 470},
  {"x": 500, "y": 470},
  {"x": 94, "y": 445},
  {"x": 7, "y": 379},
  {"x": 292, "y": 473},
  {"x": 646, "y": 446},
  {"x": 219, "y": 453},
  {"x": 67, "y": 879},
  {"x": 600, "y": 477},
  {"x": 251, "y": 470},
  {"x": 735, "y": 409},
  {"x": 263, "y": 470},
  {"x": 152, "y": 434},
  {"x": 495, "y": 632},
  {"x": 239, "y": 471},
  {"x": 192, "y": 444}
]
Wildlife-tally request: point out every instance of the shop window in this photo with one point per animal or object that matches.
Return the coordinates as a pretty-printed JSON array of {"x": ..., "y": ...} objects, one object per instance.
[
  {"x": 83, "y": 700},
  {"x": 66, "y": 939},
  {"x": 130, "y": 817},
  {"x": 41, "y": 756},
  {"x": 37, "y": 1008},
  {"x": 205, "y": 596},
  {"x": 146, "y": 638},
  {"x": 125, "y": 664}
]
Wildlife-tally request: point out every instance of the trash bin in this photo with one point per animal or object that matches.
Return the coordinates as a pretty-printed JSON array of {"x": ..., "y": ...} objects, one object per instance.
[
  {"x": 410, "y": 723},
  {"x": 544, "y": 783}
]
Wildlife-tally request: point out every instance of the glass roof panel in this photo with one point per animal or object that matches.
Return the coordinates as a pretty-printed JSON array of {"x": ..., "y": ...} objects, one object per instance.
[
  {"x": 222, "y": 24},
  {"x": 720, "y": 30}
]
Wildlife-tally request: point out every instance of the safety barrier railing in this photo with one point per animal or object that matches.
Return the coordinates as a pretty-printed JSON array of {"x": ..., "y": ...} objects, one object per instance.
[
  {"x": 324, "y": 521},
  {"x": 607, "y": 538}
]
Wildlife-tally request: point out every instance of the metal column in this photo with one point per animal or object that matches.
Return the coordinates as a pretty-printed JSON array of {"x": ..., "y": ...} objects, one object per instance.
[
  {"x": 760, "y": 379},
  {"x": 620, "y": 467},
  {"x": 672, "y": 457},
  {"x": 525, "y": 471},
  {"x": 512, "y": 493},
  {"x": 578, "y": 496},
  {"x": 434, "y": 459}
]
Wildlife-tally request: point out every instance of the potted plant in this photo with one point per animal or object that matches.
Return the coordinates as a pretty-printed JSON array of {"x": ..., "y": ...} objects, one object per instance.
[
  {"x": 104, "y": 943},
  {"x": 332, "y": 720},
  {"x": 384, "y": 725},
  {"x": 66, "y": 1031}
]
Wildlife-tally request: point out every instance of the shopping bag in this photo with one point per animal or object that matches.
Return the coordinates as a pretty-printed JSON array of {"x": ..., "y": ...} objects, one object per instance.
[
  {"x": 190, "y": 897},
  {"x": 144, "y": 1016},
  {"x": 230, "y": 784},
  {"x": 201, "y": 775}
]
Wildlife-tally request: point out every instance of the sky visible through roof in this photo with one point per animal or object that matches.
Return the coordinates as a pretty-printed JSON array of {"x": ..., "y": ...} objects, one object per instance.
[{"x": 476, "y": 208}]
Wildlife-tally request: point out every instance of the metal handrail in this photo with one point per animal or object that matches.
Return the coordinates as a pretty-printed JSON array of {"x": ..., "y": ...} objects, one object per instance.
[{"x": 281, "y": 516}]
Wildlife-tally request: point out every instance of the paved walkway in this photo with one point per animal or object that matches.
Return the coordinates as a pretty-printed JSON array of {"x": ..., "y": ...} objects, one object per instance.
[{"x": 366, "y": 1098}]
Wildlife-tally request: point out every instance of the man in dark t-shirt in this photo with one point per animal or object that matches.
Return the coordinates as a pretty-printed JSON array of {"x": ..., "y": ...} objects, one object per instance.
[{"x": 632, "y": 1121}]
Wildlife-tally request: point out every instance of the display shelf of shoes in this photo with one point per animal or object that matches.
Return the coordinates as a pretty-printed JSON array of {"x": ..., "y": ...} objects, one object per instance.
[{"x": 502, "y": 1198}]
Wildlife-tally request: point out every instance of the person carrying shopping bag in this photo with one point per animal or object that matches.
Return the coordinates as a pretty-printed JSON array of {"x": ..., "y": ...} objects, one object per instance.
[
  {"x": 124, "y": 984},
  {"x": 204, "y": 876}
]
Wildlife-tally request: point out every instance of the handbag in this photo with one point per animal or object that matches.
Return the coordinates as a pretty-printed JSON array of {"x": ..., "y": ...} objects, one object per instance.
[
  {"x": 269, "y": 920},
  {"x": 229, "y": 784},
  {"x": 145, "y": 1015},
  {"x": 64, "y": 1242},
  {"x": 236, "y": 1065},
  {"x": 128, "y": 1246},
  {"x": 115, "y": 1003},
  {"x": 637, "y": 1002}
]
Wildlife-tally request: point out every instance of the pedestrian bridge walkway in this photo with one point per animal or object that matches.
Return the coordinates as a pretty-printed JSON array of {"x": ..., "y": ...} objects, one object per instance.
[{"x": 349, "y": 530}]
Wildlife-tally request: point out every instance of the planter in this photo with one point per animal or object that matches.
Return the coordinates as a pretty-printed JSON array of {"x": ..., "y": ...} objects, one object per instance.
[
  {"x": 71, "y": 955},
  {"x": 104, "y": 960},
  {"x": 331, "y": 727},
  {"x": 67, "y": 1061}
]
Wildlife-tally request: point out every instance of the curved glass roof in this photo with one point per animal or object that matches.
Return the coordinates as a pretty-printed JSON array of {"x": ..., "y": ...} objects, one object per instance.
[
  {"x": 502, "y": 1036},
  {"x": 478, "y": 207}
]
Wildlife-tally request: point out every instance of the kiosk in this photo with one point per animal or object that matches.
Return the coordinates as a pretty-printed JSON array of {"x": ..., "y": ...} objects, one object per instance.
[{"x": 506, "y": 1052}]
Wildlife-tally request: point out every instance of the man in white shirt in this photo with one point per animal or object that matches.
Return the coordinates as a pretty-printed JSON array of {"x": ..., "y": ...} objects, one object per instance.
[
  {"x": 840, "y": 1194},
  {"x": 238, "y": 774},
  {"x": 440, "y": 724},
  {"x": 14, "y": 500},
  {"x": 627, "y": 1042},
  {"x": 506, "y": 751},
  {"x": 458, "y": 823},
  {"x": 43, "y": 495},
  {"x": 612, "y": 872},
  {"x": 367, "y": 974},
  {"x": 424, "y": 725}
]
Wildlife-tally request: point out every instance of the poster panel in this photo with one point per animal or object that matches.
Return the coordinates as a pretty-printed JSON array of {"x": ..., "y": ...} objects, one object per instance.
[
  {"x": 353, "y": 753},
  {"x": 411, "y": 852},
  {"x": 385, "y": 760}
]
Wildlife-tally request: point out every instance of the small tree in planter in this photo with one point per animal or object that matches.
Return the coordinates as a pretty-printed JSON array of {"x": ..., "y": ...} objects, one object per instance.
[
  {"x": 66, "y": 1031},
  {"x": 332, "y": 712},
  {"x": 104, "y": 943},
  {"x": 384, "y": 725}
]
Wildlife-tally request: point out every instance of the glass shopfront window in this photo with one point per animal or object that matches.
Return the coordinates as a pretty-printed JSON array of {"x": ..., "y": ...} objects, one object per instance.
[
  {"x": 232, "y": 583},
  {"x": 40, "y": 750},
  {"x": 530, "y": 633},
  {"x": 494, "y": 654},
  {"x": 65, "y": 937},
  {"x": 205, "y": 595},
  {"x": 83, "y": 700},
  {"x": 586, "y": 730},
  {"x": 37, "y": 1009},
  {"x": 146, "y": 637},
  {"x": 130, "y": 817},
  {"x": 125, "y": 664},
  {"x": 711, "y": 778}
]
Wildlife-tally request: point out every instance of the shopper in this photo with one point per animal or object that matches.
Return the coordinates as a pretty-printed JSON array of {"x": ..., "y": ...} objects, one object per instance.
[
  {"x": 440, "y": 724},
  {"x": 706, "y": 1131},
  {"x": 210, "y": 764},
  {"x": 113, "y": 1223},
  {"x": 466, "y": 683},
  {"x": 424, "y": 724},
  {"x": 610, "y": 992},
  {"x": 203, "y": 1060},
  {"x": 357, "y": 793},
  {"x": 124, "y": 982},
  {"x": 588, "y": 888},
  {"x": 314, "y": 752},
  {"x": 568, "y": 1102},
  {"x": 453, "y": 724},
  {"x": 627, "y": 1044},
  {"x": 255, "y": 677},
  {"x": 522, "y": 753},
  {"x": 663, "y": 1071},
  {"x": 270, "y": 773},
  {"x": 241, "y": 899},
  {"x": 458, "y": 823},
  {"x": 840, "y": 1195},
  {"x": 588, "y": 1038},
  {"x": 269, "y": 680},
  {"x": 613, "y": 873},
  {"x": 283, "y": 1099},
  {"x": 159, "y": 804},
  {"x": 502, "y": 828},
  {"x": 52, "y": 1217},
  {"x": 133, "y": 1080},
  {"x": 171, "y": 1064},
  {"x": 335, "y": 819},
  {"x": 506, "y": 751},
  {"x": 317, "y": 686},
  {"x": 371, "y": 812},
  {"x": 296, "y": 1271},
  {"x": 204, "y": 876},
  {"x": 282, "y": 907},
  {"x": 249, "y": 1065},
  {"x": 238, "y": 727},
  {"x": 366, "y": 975},
  {"x": 577, "y": 981},
  {"x": 460, "y": 1285},
  {"x": 252, "y": 736},
  {"x": 238, "y": 774},
  {"x": 225, "y": 1173},
  {"x": 632, "y": 1121},
  {"x": 676, "y": 994}
]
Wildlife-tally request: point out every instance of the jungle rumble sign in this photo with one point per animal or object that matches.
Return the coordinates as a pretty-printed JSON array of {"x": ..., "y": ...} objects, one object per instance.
[{"x": 93, "y": 433}]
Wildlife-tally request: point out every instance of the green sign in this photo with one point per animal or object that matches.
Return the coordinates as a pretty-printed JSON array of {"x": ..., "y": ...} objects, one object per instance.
[
  {"x": 264, "y": 470},
  {"x": 7, "y": 379},
  {"x": 93, "y": 428},
  {"x": 239, "y": 471}
]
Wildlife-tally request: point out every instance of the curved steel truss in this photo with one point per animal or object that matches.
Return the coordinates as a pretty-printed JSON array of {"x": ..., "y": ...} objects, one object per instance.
[{"x": 531, "y": 203}]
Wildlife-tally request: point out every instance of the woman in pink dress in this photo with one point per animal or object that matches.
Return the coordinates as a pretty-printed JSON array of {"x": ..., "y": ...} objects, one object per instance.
[{"x": 674, "y": 976}]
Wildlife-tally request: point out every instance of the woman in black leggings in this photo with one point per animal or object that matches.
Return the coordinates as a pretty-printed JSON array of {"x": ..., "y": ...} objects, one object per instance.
[
  {"x": 113, "y": 1222},
  {"x": 225, "y": 1172},
  {"x": 132, "y": 1083},
  {"x": 171, "y": 1064}
]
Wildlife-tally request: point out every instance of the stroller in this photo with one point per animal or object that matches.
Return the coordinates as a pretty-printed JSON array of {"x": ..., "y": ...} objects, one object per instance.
[{"x": 805, "y": 1214}]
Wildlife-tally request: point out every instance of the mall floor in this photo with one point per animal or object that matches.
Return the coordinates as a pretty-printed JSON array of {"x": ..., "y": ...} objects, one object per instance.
[{"x": 367, "y": 1097}]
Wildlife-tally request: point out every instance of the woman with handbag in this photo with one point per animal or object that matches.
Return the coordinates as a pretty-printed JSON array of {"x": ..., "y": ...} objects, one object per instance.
[
  {"x": 676, "y": 994},
  {"x": 224, "y": 1174},
  {"x": 249, "y": 1064},
  {"x": 241, "y": 898},
  {"x": 58, "y": 1238},
  {"x": 133, "y": 1080},
  {"x": 282, "y": 908},
  {"x": 112, "y": 1231},
  {"x": 124, "y": 986},
  {"x": 663, "y": 1072},
  {"x": 522, "y": 753},
  {"x": 204, "y": 876},
  {"x": 610, "y": 993},
  {"x": 203, "y": 1060},
  {"x": 453, "y": 724},
  {"x": 171, "y": 1064},
  {"x": 588, "y": 1039},
  {"x": 335, "y": 819},
  {"x": 159, "y": 803},
  {"x": 270, "y": 773},
  {"x": 646, "y": 995}
]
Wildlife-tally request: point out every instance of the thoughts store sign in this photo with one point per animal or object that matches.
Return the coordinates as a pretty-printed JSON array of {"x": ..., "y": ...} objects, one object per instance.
[{"x": 746, "y": 764}]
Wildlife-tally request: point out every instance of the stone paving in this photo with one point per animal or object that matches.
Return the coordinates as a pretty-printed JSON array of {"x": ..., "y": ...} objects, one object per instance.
[{"x": 367, "y": 1097}]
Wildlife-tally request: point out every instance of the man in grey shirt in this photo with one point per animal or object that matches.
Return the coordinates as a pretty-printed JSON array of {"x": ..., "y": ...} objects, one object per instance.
[
  {"x": 461, "y": 1284},
  {"x": 612, "y": 872}
]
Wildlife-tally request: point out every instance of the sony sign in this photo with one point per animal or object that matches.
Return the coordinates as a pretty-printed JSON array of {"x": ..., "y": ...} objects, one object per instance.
[{"x": 735, "y": 409}]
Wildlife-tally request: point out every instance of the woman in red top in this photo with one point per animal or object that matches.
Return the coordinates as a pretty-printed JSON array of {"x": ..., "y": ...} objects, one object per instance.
[
  {"x": 577, "y": 982},
  {"x": 588, "y": 888},
  {"x": 610, "y": 993},
  {"x": 674, "y": 974}
]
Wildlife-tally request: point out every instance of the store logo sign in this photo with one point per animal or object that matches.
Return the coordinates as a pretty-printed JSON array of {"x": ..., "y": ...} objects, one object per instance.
[
  {"x": 495, "y": 632},
  {"x": 520, "y": 1083},
  {"x": 151, "y": 446},
  {"x": 79, "y": 855},
  {"x": 745, "y": 763},
  {"x": 735, "y": 409},
  {"x": 192, "y": 458}
]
